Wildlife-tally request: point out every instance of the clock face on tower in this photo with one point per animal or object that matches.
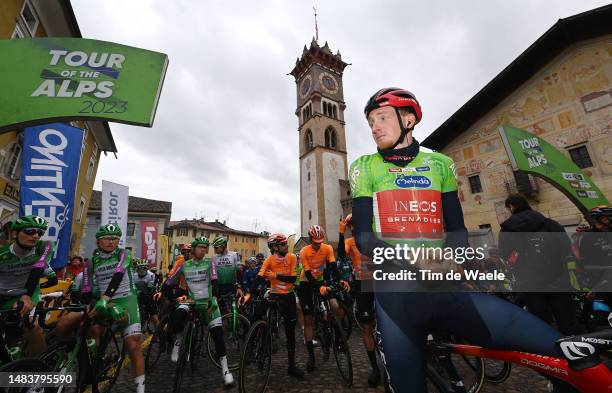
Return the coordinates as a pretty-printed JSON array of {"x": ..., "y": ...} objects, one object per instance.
[
  {"x": 305, "y": 86},
  {"x": 328, "y": 83}
]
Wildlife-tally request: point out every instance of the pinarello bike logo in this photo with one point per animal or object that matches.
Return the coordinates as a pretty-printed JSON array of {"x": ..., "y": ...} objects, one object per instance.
[{"x": 403, "y": 181}]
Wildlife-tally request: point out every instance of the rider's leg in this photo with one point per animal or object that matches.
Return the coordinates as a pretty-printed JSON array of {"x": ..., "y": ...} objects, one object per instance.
[
  {"x": 35, "y": 339},
  {"x": 306, "y": 302},
  {"x": 66, "y": 326},
  {"x": 210, "y": 312},
  {"x": 288, "y": 312}
]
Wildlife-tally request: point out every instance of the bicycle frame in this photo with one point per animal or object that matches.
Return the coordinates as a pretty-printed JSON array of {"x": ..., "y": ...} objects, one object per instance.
[{"x": 593, "y": 379}]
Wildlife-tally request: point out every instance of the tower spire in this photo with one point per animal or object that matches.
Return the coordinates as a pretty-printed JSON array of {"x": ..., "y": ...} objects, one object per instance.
[{"x": 316, "y": 25}]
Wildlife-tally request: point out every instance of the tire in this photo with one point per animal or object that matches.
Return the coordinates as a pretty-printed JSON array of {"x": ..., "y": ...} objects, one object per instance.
[
  {"x": 256, "y": 359},
  {"x": 468, "y": 369},
  {"x": 197, "y": 346},
  {"x": 182, "y": 359},
  {"x": 435, "y": 382},
  {"x": 324, "y": 334},
  {"x": 57, "y": 358},
  {"x": 347, "y": 321},
  {"x": 158, "y": 345},
  {"x": 342, "y": 353},
  {"x": 233, "y": 344},
  {"x": 108, "y": 362},
  {"x": 497, "y": 371},
  {"x": 24, "y": 365}
]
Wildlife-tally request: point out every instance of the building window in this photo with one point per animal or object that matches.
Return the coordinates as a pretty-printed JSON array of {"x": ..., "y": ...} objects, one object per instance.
[
  {"x": 253, "y": 253},
  {"x": 92, "y": 163},
  {"x": 580, "y": 156},
  {"x": 484, "y": 226},
  {"x": 330, "y": 137},
  {"x": 131, "y": 228},
  {"x": 236, "y": 239},
  {"x": 310, "y": 214},
  {"x": 475, "y": 185},
  {"x": 182, "y": 232},
  {"x": 82, "y": 203},
  {"x": 308, "y": 176},
  {"x": 12, "y": 159},
  {"x": 18, "y": 33},
  {"x": 29, "y": 17},
  {"x": 308, "y": 140},
  {"x": 253, "y": 241}
]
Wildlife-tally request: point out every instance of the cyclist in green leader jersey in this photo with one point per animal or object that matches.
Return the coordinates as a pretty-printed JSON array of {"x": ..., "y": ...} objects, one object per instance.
[
  {"x": 402, "y": 189},
  {"x": 22, "y": 264},
  {"x": 109, "y": 277}
]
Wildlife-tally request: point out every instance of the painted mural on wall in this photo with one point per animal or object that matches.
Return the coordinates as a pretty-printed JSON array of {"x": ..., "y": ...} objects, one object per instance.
[{"x": 567, "y": 103}]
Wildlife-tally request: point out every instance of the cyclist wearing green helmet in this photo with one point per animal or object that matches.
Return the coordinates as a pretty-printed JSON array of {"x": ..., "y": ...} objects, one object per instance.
[
  {"x": 109, "y": 277},
  {"x": 227, "y": 264},
  {"x": 201, "y": 277},
  {"x": 22, "y": 264},
  {"x": 144, "y": 281}
]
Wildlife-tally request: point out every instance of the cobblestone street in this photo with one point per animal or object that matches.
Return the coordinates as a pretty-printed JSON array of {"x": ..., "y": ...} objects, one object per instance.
[{"x": 325, "y": 379}]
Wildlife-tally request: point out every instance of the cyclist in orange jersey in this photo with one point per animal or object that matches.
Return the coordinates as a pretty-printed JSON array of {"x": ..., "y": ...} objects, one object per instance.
[{"x": 280, "y": 269}]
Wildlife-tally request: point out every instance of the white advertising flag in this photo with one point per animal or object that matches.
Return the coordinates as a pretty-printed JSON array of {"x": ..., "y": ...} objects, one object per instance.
[{"x": 115, "y": 206}]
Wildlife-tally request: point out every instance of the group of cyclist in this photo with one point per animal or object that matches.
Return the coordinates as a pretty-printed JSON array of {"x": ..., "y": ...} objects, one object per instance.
[{"x": 115, "y": 283}]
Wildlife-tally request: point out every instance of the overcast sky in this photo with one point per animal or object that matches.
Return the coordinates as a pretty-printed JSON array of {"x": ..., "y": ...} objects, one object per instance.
[{"x": 225, "y": 143}]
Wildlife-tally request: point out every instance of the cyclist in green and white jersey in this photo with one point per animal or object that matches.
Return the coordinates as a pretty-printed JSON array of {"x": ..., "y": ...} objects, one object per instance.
[
  {"x": 145, "y": 285},
  {"x": 109, "y": 277},
  {"x": 200, "y": 276},
  {"x": 227, "y": 264},
  {"x": 22, "y": 263}
]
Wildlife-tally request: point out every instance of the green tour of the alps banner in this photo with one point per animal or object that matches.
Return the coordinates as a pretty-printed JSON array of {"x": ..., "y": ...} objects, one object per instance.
[
  {"x": 534, "y": 155},
  {"x": 59, "y": 79}
]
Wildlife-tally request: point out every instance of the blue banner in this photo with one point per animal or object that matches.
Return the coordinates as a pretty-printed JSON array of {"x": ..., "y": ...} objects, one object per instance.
[{"x": 50, "y": 170}]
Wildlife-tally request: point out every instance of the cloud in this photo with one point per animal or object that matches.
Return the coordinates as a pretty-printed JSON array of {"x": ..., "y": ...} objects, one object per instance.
[{"x": 225, "y": 135}]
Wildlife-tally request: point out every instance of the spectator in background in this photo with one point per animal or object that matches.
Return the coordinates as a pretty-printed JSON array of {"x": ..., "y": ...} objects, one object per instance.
[
  {"x": 74, "y": 267},
  {"x": 539, "y": 257}
]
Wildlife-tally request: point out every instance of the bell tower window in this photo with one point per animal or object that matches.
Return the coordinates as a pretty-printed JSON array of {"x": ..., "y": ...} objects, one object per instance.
[
  {"x": 330, "y": 137},
  {"x": 308, "y": 140}
]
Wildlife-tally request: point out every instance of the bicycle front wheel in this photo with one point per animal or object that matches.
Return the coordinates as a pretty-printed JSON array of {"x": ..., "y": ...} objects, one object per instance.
[
  {"x": 181, "y": 363},
  {"x": 159, "y": 344},
  {"x": 108, "y": 362},
  {"x": 30, "y": 365},
  {"x": 342, "y": 353},
  {"x": 256, "y": 359},
  {"x": 234, "y": 335}
]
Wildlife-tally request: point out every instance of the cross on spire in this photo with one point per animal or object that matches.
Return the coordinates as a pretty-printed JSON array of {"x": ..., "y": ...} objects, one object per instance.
[{"x": 316, "y": 25}]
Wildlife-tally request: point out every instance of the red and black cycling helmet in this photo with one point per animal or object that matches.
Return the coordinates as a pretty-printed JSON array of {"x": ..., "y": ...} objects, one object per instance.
[
  {"x": 601, "y": 211},
  {"x": 276, "y": 239},
  {"x": 395, "y": 97}
]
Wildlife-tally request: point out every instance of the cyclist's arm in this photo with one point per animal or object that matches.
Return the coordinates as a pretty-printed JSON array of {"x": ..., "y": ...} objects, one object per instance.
[
  {"x": 311, "y": 279},
  {"x": 341, "y": 251},
  {"x": 122, "y": 266},
  {"x": 363, "y": 207},
  {"x": 51, "y": 277},
  {"x": 454, "y": 225},
  {"x": 38, "y": 268}
]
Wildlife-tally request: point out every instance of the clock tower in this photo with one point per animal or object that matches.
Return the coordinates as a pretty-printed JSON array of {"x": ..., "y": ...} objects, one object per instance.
[{"x": 323, "y": 162}]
